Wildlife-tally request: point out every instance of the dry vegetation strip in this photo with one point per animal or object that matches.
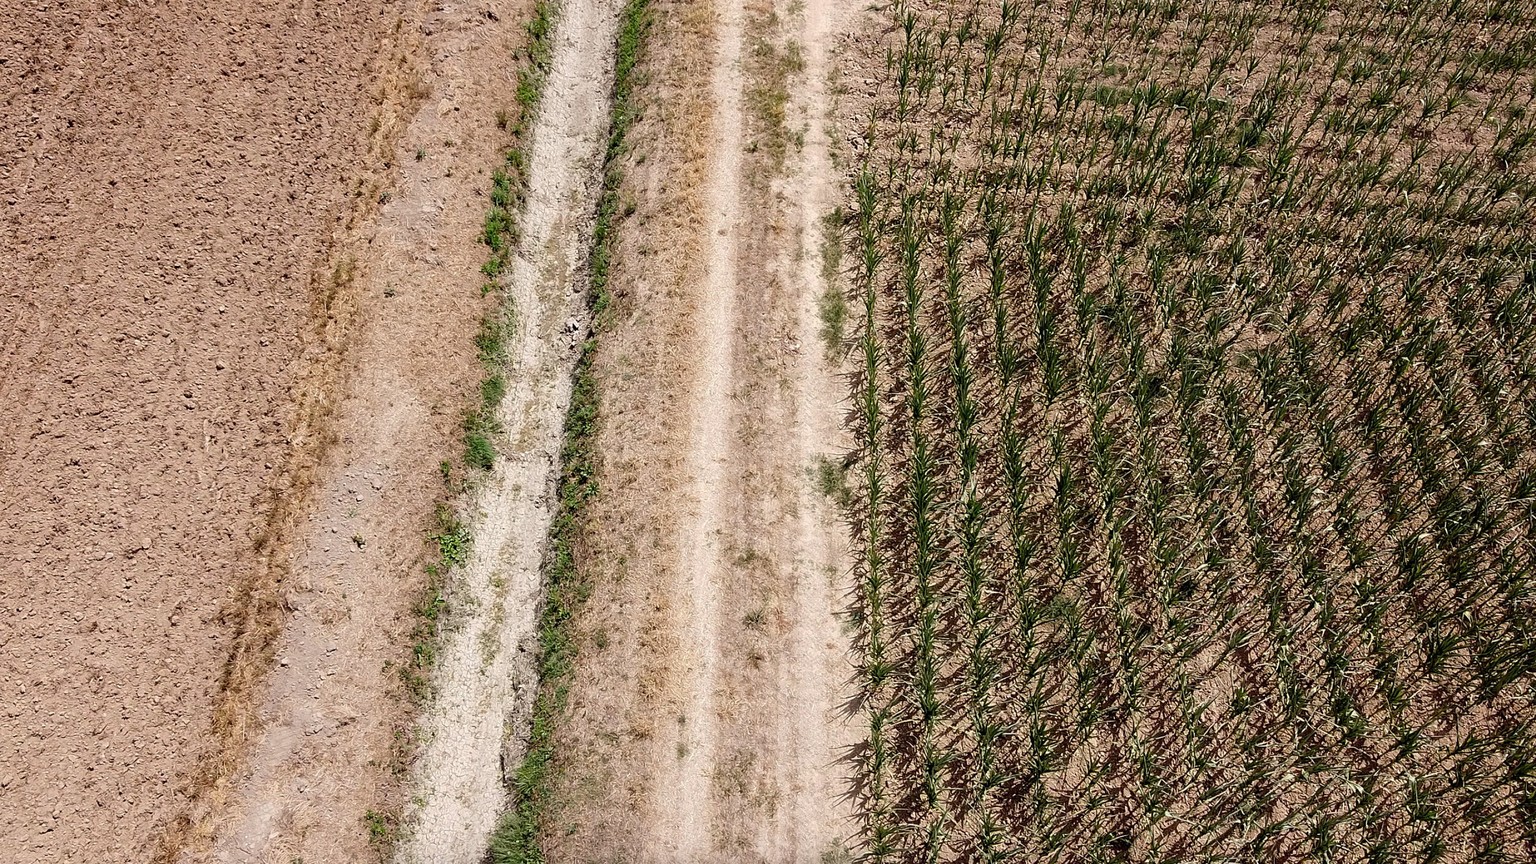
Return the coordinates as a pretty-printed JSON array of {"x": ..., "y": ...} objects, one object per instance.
[{"x": 1198, "y": 481}]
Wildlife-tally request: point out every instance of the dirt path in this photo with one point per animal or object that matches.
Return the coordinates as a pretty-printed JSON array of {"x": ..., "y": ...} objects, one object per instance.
[
  {"x": 705, "y": 710},
  {"x": 476, "y": 731},
  {"x": 329, "y": 744}
]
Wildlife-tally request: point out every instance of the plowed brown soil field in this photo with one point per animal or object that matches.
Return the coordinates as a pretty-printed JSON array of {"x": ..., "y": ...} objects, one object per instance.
[{"x": 177, "y": 184}]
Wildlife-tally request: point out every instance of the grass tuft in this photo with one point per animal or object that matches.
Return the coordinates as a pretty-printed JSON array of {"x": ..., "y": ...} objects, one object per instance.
[{"x": 832, "y": 305}]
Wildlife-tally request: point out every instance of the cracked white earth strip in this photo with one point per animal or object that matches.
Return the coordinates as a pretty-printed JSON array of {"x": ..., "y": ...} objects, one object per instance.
[{"x": 486, "y": 676}]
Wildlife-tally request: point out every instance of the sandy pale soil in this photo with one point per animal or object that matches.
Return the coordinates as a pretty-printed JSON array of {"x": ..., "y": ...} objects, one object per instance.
[
  {"x": 175, "y": 181},
  {"x": 704, "y": 723}
]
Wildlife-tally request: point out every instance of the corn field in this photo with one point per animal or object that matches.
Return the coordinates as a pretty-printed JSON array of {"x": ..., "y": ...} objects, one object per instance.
[{"x": 1196, "y": 399}]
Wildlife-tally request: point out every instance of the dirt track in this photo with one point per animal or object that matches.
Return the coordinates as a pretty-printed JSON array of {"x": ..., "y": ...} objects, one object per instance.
[
  {"x": 174, "y": 182},
  {"x": 713, "y": 662}
]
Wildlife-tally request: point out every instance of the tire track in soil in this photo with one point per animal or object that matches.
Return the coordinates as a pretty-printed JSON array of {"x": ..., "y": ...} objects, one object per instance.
[
  {"x": 812, "y": 731},
  {"x": 684, "y": 815}
]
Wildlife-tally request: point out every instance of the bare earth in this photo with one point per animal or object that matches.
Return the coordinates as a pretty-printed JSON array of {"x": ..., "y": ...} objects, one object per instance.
[
  {"x": 705, "y": 722},
  {"x": 240, "y": 283},
  {"x": 175, "y": 182},
  {"x": 334, "y": 719}
]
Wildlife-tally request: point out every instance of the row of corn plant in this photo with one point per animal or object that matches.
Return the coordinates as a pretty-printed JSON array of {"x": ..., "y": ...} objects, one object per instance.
[{"x": 1207, "y": 534}]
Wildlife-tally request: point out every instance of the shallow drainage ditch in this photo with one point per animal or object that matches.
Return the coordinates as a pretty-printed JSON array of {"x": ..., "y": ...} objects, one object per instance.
[{"x": 486, "y": 677}]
